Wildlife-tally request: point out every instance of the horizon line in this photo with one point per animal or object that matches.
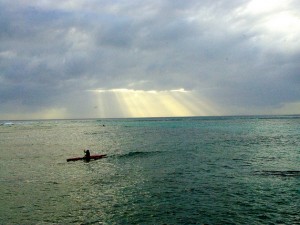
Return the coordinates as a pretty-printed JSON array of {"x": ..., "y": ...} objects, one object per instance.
[{"x": 154, "y": 117}]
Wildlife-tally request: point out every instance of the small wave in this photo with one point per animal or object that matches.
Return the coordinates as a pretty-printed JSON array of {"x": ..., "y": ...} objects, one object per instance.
[
  {"x": 93, "y": 133},
  {"x": 7, "y": 124},
  {"x": 136, "y": 154},
  {"x": 286, "y": 173}
]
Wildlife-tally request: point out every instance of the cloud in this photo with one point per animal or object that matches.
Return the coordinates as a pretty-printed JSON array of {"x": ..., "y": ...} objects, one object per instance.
[{"x": 236, "y": 55}]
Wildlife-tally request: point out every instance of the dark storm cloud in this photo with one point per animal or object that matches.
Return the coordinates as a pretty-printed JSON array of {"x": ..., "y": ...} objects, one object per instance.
[{"x": 51, "y": 51}]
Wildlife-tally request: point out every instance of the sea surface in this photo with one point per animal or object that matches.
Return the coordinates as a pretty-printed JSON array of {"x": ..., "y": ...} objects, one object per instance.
[{"x": 189, "y": 170}]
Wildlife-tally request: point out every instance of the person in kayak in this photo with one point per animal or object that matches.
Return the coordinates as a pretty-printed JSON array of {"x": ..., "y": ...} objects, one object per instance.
[{"x": 87, "y": 155}]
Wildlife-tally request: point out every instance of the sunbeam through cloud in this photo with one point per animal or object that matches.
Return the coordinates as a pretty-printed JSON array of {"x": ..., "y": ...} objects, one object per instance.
[{"x": 153, "y": 103}]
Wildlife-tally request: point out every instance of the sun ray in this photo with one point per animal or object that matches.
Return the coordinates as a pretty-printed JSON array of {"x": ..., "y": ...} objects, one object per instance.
[{"x": 141, "y": 103}]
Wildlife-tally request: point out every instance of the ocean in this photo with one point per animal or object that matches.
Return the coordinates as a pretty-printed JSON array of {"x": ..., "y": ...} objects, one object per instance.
[{"x": 187, "y": 170}]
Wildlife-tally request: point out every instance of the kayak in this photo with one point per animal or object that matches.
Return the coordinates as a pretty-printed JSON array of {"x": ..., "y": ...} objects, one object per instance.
[{"x": 94, "y": 157}]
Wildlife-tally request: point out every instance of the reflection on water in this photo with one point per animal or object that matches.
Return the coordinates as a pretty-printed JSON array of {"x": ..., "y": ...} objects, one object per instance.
[{"x": 169, "y": 170}]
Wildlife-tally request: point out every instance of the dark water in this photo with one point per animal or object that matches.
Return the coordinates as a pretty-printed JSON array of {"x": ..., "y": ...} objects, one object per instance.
[{"x": 200, "y": 170}]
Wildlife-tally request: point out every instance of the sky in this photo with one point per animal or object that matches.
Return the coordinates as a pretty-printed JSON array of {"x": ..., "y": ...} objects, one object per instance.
[{"x": 150, "y": 58}]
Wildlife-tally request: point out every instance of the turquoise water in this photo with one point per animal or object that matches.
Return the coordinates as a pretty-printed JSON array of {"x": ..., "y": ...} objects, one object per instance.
[{"x": 199, "y": 170}]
